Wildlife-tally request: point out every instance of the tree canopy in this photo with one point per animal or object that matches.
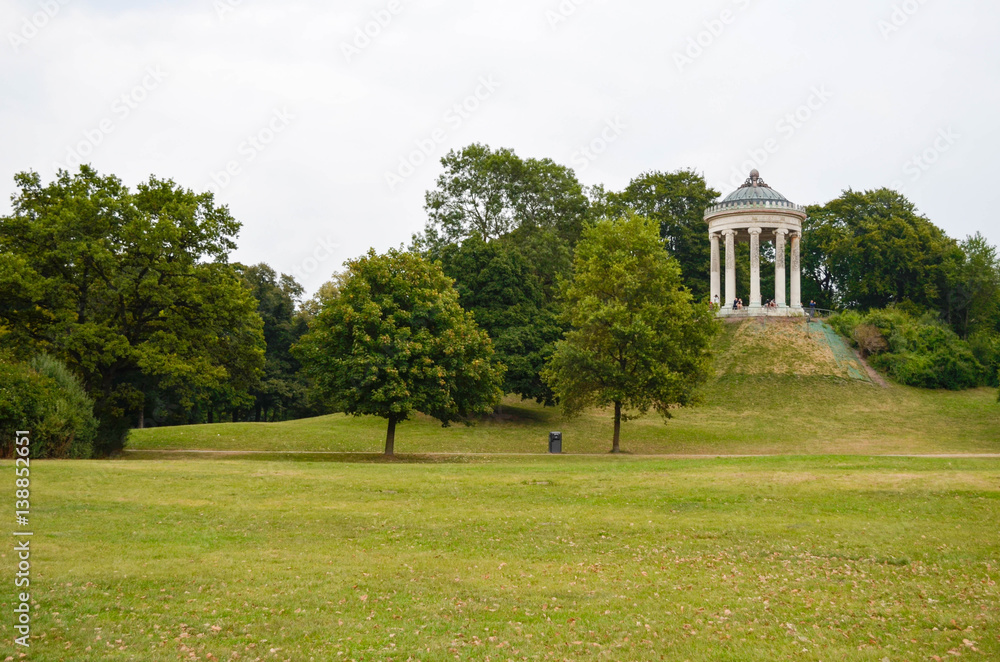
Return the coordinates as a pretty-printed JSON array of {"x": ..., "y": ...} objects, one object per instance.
[
  {"x": 131, "y": 289},
  {"x": 496, "y": 283},
  {"x": 872, "y": 249},
  {"x": 535, "y": 205},
  {"x": 677, "y": 201},
  {"x": 637, "y": 339},
  {"x": 282, "y": 390},
  {"x": 394, "y": 341},
  {"x": 973, "y": 297},
  {"x": 494, "y": 192}
]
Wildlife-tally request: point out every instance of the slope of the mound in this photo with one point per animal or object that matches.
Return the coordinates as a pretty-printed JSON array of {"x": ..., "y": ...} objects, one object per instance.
[{"x": 787, "y": 347}]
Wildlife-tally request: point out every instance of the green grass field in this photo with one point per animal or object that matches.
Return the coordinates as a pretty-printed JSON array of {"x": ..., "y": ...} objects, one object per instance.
[
  {"x": 829, "y": 551},
  {"x": 549, "y": 558}
]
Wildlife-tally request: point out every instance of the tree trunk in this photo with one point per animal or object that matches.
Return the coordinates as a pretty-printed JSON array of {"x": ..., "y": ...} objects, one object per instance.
[
  {"x": 390, "y": 438},
  {"x": 616, "y": 448},
  {"x": 142, "y": 419}
]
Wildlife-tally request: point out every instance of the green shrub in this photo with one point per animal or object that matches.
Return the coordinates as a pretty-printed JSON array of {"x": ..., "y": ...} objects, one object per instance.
[
  {"x": 24, "y": 395},
  {"x": 69, "y": 427},
  {"x": 915, "y": 351},
  {"x": 891, "y": 323},
  {"x": 869, "y": 339},
  {"x": 45, "y": 398},
  {"x": 845, "y": 323}
]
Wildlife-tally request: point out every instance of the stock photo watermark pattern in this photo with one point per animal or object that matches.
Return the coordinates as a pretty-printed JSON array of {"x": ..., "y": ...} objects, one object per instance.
[
  {"x": 121, "y": 108},
  {"x": 698, "y": 44},
  {"x": 899, "y": 17},
  {"x": 921, "y": 163},
  {"x": 453, "y": 119},
  {"x": 785, "y": 129},
  {"x": 249, "y": 149},
  {"x": 31, "y": 26},
  {"x": 324, "y": 250},
  {"x": 563, "y": 12},
  {"x": 365, "y": 35},
  {"x": 223, "y": 8},
  {"x": 611, "y": 133}
]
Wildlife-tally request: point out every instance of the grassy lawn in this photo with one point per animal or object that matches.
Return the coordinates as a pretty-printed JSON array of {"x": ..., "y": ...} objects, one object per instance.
[
  {"x": 561, "y": 558},
  {"x": 779, "y": 389}
]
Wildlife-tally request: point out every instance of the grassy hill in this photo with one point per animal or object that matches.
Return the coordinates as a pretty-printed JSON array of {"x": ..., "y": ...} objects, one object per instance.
[{"x": 781, "y": 387}]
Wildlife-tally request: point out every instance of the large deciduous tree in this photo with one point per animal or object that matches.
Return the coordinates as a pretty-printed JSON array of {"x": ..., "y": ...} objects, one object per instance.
[
  {"x": 873, "y": 249},
  {"x": 496, "y": 283},
  {"x": 973, "y": 295},
  {"x": 638, "y": 341},
  {"x": 131, "y": 289},
  {"x": 394, "y": 341},
  {"x": 677, "y": 201},
  {"x": 494, "y": 192},
  {"x": 536, "y": 205}
]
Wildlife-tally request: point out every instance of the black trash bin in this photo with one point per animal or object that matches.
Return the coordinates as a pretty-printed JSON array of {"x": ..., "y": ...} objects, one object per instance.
[{"x": 555, "y": 442}]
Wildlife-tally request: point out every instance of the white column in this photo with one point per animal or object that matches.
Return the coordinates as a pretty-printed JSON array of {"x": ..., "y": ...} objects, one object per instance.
[
  {"x": 730, "y": 236},
  {"x": 796, "y": 274},
  {"x": 779, "y": 267},
  {"x": 716, "y": 270},
  {"x": 754, "y": 267}
]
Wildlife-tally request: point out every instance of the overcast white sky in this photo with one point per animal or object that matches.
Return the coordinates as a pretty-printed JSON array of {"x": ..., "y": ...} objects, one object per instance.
[{"x": 820, "y": 96}]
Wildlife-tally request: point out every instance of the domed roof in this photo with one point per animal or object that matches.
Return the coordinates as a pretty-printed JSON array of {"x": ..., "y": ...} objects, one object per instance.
[
  {"x": 755, "y": 190},
  {"x": 754, "y": 194}
]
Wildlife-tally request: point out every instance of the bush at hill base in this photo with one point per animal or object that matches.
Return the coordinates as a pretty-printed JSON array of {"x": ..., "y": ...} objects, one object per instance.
[
  {"x": 914, "y": 351},
  {"x": 47, "y": 400}
]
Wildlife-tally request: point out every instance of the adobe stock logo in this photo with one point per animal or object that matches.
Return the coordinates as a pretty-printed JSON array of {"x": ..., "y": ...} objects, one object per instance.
[
  {"x": 248, "y": 150},
  {"x": 900, "y": 16},
  {"x": 454, "y": 118},
  {"x": 32, "y": 25},
  {"x": 698, "y": 44},
  {"x": 121, "y": 109},
  {"x": 365, "y": 35},
  {"x": 225, "y": 7},
  {"x": 919, "y": 164},
  {"x": 324, "y": 249},
  {"x": 562, "y": 13},
  {"x": 786, "y": 129},
  {"x": 589, "y": 153}
]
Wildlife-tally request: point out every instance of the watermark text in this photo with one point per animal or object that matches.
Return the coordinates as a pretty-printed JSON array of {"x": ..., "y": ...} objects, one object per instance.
[{"x": 22, "y": 541}]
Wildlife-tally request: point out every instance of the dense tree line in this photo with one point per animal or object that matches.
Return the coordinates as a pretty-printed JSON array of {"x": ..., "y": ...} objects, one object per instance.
[
  {"x": 132, "y": 291},
  {"x": 123, "y": 303},
  {"x": 870, "y": 252}
]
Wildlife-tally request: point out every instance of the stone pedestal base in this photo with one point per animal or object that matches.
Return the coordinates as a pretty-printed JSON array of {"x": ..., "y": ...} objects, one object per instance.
[{"x": 761, "y": 312}]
